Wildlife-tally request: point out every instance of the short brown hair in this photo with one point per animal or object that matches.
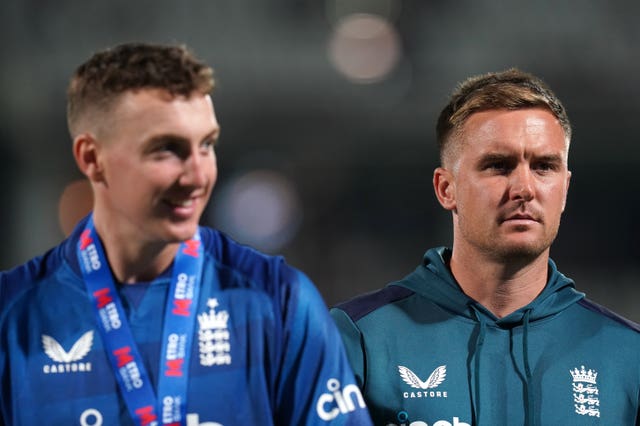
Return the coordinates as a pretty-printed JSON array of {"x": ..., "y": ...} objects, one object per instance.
[
  {"x": 131, "y": 66},
  {"x": 511, "y": 89}
]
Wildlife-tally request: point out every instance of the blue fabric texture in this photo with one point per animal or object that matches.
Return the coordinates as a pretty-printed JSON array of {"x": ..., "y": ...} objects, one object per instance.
[{"x": 265, "y": 351}]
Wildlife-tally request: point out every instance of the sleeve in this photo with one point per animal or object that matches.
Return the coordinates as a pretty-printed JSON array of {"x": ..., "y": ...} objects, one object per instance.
[
  {"x": 316, "y": 385},
  {"x": 352, "y": 339},
  {"x": 4, "y": 398},
  {"x": 638, "y": 412}
]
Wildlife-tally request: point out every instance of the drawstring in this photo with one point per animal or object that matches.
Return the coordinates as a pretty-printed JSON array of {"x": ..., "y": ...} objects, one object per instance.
[
  {"x": 527, "y": 368},
  {"x": 475, "y": 394}
]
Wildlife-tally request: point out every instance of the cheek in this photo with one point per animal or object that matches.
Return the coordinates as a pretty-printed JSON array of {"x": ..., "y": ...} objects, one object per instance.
[
  {"x": 115, "y": 167},
  {"x": 212, "y": 173},
  {"x": 478, "y": 194},
  {"x": 214, "y": 165},
  {"x": 555, "y": 195}
]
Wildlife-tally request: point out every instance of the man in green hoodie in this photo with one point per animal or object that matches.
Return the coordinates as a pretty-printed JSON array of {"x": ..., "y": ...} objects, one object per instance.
[{"x": 489, "y": 332}]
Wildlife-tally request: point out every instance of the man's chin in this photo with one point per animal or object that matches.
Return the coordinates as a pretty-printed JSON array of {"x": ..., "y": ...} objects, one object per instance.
[
  {"x": 520, "y": 251},
  {"x": 180, "y": 233}
]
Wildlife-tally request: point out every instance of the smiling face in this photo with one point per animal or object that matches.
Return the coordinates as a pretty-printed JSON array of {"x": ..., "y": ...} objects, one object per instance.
[
  {"x": 154, "y": 166},
  {"x": 507, "y": 182}
]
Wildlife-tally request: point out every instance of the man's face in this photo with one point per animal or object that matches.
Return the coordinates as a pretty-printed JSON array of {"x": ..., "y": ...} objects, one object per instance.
[
  {"x": 158, "y": 163},
  {"x": 509, "y": 182}
]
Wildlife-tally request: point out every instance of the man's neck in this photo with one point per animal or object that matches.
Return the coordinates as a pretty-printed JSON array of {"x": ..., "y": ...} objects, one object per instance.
[
  {"x": 502, "y": 286},
  {"x": 131, "y": 258}
]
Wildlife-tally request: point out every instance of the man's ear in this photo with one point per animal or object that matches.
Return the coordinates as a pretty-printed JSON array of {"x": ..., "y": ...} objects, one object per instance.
[
  {"x": 566, "y": 190},
  {"x": 86, "y": 152},
  {"x": 444, "y": 187}
]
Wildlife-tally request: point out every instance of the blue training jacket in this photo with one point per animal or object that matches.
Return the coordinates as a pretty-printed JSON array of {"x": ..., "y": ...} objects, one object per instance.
[
  {"x": 426, "y": 354},
  {"x": 265, "y": 350}
]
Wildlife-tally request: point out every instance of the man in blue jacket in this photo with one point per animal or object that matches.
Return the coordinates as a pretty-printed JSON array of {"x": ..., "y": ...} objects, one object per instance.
[
  {"x": 142, "y": 316},
  {"x": 489, "y": 332}
]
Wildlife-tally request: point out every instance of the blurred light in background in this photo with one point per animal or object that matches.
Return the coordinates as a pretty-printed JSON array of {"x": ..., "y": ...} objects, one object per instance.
[
  {"x": 260, "y": 208},
  {"x": 364, "y": 47},
  {"x": 338, "y": 9},
  {"x": 75, "y": 203},
  {"x": 368, "y": 211}
]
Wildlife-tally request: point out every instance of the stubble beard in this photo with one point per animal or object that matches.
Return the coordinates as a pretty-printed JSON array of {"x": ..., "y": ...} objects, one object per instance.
[
  {"x": 500, "y": 250},
  {"x": 517, "y": 253}
]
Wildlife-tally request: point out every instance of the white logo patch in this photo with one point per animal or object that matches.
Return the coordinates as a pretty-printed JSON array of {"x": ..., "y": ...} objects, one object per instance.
[
  {"x": 585, "y": 392},
  {"x": 434, "y": 380},
  {"x": 67, "y": 362},
  {"x": 213, "y": 336}
]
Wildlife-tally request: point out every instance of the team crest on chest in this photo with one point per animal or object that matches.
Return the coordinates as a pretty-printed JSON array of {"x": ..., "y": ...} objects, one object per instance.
[
  {"x": 213, "y": 336},
  {"x": 585, "y": 392}
]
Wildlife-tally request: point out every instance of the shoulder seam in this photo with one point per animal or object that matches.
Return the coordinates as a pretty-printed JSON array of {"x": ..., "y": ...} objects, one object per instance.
[
  {"x": 361, "y": 306},
  {"x": 599, "y": 309}
]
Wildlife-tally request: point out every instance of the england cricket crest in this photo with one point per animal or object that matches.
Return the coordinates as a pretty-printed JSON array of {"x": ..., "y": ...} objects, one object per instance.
[
  {"x": 213, "y": 336},
  {"x": 585, "y": 392}
]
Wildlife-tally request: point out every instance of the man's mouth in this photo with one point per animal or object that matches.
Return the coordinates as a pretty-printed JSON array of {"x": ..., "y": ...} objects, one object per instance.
[
  {"x": 181, "y": 203},
  {"x": 521, "y": 217}
]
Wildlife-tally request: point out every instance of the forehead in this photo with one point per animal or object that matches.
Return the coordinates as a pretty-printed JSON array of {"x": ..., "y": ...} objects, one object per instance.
[
  {"x": 149, "y": 112},
  {"x": 531, "y": 130}
]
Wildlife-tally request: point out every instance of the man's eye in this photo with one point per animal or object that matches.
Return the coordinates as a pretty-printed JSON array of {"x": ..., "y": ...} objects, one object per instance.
[
  {"x": 167, "y": 147},
  {"x": 209, "y": 143},
  {"x": 207, "y": 146},
  {"x": 497, "y": 165},
  {"x": 545, "y": 166}
]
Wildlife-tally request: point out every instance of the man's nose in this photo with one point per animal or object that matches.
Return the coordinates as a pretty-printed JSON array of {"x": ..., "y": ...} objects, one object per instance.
[
  {"x": 522, "y": 184},
  {"x": 194, "y": 171}
]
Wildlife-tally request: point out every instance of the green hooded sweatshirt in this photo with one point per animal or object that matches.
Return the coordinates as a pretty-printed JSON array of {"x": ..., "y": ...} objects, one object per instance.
[{"x": 424, "y": 353}]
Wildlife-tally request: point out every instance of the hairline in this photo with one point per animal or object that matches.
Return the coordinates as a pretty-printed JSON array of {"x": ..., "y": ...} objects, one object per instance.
[
  {"x": 96, "y": 118},
  {"x": 99, "y": 83},
  {"x": 453, "y": 142}
]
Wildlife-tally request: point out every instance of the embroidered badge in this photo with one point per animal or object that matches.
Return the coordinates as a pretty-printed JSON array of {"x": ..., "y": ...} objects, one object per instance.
[
  {"x": 213, "y": 336},
  {"x": 585, "y": 392}
]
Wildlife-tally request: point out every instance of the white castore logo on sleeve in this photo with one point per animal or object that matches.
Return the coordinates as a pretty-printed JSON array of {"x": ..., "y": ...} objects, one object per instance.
[{"x": 67, "y": 362}]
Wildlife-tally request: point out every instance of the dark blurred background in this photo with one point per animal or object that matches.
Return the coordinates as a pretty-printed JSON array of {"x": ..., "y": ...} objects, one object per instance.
[{"x": 328, "y": 110}]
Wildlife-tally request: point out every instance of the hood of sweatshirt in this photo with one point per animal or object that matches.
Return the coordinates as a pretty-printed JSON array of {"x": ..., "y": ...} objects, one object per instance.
[{"x": 433, "y": 280}]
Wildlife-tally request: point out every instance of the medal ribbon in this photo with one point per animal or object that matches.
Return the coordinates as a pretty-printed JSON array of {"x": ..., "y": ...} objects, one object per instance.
[{"x": 179, "y": 322}]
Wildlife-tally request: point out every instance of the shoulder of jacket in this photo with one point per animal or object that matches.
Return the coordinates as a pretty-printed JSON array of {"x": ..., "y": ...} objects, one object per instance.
[
  {"x": 609, "y": 314},
  {"x": 243, "y": 266},
  {"x": 363, "y": 305},
  {"x": 21, "y": 279}
]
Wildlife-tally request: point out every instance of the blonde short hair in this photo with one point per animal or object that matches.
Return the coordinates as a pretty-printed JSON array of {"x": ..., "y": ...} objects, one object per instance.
[
  {"x": 131, "y": 66},
  {"x": 511, "y": 89}
]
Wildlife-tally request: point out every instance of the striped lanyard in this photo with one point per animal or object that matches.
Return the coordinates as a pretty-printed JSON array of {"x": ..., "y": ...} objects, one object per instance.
[{"x": 169, "y": 408}]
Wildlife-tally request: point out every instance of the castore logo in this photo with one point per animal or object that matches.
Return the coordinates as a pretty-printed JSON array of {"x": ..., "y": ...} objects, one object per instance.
[{"x": 67, "y": 362}]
